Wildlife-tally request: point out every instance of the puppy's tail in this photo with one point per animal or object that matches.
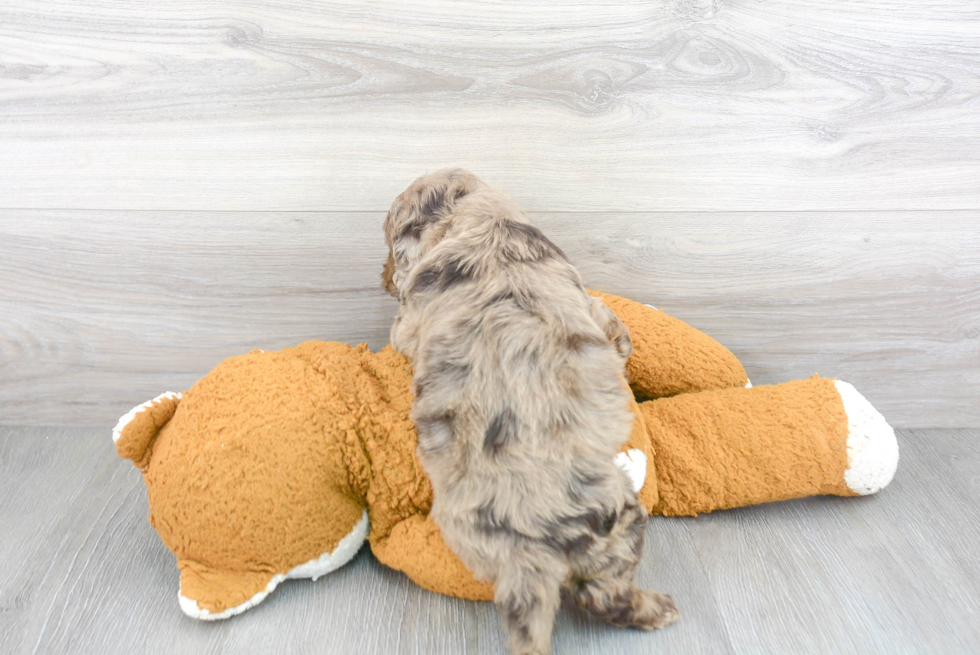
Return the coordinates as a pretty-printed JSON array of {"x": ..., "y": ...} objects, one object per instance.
[{"x": 136, "y": 431}]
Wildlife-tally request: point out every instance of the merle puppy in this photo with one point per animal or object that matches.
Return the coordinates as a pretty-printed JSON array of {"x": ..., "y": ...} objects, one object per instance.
[{"x": 521, "y": 403}]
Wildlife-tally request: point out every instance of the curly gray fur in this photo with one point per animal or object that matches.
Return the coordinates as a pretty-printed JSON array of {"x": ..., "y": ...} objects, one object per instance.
[{"x": 521, "y": 403}]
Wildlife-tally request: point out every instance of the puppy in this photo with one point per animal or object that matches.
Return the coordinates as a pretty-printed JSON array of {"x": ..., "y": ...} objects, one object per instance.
[{"x": 520, "y": 404}]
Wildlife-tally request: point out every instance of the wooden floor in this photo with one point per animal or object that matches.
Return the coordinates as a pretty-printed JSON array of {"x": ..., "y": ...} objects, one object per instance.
[{"x": 82, "y": 571}]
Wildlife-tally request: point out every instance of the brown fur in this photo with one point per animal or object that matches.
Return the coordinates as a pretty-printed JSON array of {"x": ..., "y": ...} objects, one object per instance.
[{"x": 520, "y": 406}]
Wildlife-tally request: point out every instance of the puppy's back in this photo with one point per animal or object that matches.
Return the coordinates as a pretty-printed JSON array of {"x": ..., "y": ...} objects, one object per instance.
[{"x": 513, "y": 351}]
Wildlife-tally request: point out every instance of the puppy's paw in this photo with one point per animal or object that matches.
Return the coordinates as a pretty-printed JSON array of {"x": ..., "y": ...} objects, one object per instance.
[{"x": 652, "y": 610}]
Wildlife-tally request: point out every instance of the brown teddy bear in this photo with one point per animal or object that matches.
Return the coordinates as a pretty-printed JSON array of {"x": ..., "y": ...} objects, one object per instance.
[{"x": 278, "y": 465}]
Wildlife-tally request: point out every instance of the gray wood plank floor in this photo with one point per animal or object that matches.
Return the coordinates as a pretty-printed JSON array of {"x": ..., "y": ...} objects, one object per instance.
[{"x": 81, "y": 571}]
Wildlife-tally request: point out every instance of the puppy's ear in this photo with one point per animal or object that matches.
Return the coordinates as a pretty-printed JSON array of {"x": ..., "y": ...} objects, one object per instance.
[{"x": 388, "y": 276}]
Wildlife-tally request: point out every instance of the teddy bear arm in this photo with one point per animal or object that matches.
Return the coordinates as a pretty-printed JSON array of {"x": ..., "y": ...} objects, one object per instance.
[
  {"x": 669, "y": 356},
  {"x": 416, "y": 548}
]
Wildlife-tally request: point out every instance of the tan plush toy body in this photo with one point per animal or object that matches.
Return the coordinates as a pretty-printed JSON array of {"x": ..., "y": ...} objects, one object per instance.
[{"x": 279, "y": 464}]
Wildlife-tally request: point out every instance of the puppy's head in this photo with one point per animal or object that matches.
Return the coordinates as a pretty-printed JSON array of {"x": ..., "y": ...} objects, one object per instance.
[{"x": 419, "y": 218}]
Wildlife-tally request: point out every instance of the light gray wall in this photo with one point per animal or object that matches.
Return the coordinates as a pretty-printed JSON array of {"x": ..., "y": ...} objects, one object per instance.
[{"x": 183, "y": 182}]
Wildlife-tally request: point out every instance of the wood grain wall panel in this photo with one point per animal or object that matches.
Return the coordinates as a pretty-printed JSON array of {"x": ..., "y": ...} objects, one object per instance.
[
  {"x": 102, "y": 310},
  {"x": 630, "y": 106}
]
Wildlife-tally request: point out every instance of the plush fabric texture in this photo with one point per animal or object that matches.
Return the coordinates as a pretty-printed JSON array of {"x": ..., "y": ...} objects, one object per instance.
[
  {"x": 143, "y": 422},
  {"x": 415, "y": 547},
  {"x": 671, "y": 357},
  {"x": 735, "y": 447},
  {"x": 271, "y": 459}
]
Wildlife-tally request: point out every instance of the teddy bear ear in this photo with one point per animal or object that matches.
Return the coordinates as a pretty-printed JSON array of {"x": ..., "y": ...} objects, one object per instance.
[
  {"x": 137, "y": 429},
  {"x": 210, "y": 595}
]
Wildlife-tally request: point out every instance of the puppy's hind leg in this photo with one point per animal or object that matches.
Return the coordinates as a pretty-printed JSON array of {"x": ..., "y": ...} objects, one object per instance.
[
  {"x": 616, "y": 331},
  {"x": 528, "y": 594},
  {"x": 604, "y": 585}
]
